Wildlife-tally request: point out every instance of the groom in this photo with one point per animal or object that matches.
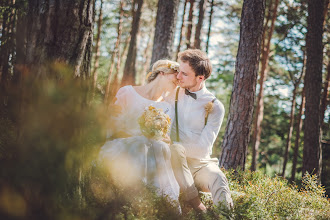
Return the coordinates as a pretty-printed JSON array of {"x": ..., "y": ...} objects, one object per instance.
[{"x": 195, "y": 131}]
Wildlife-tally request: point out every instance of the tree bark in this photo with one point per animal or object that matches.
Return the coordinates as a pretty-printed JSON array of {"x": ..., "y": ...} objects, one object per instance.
[
  {"x": 313, "y": 82},
  {"x": 324, "y": 102},
  {"x": 54, "y": 49},
  {"x": 60, "y": 31},
  {"x": 165, "y": 29},
  {"x": 325, "y": 94},
  {"x": 146, "y": 59},
  {"x": 297, "y": 141},
  {"x": 325, "y": 11},
  {"x": 21, "y": 28},
  {"x": 237, "y": 135},
  {"x": 5, "y": 45},
  {"x": 115, "y": 53},
  {"x": 202, "y": 7},
  {"x": 9, "y": 90},
  {"x": 181, "y": 29},
  {"x": 296, "y": 83},
  {"x": 115, "y": 85},
  {"x": 268, "y": 16},
  {"x": 190, "y": 23},
  {"x": 260, "y": 101},
  {"x": 129, "y": 70},
  {"x": 288, "y": 140},
  {"x": 210, "y": 24},
  {"x": 97, "y": 47}
]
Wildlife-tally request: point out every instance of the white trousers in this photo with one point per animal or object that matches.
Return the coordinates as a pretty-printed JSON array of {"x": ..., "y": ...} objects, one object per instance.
[{"x": 205, "y": 175}]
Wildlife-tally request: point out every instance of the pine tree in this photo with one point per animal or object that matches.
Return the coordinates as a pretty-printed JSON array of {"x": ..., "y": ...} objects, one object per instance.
[
  {"x": 313, "y": 84},
  {"x": 265, "y": 51},
  {"x": 210, "y": 25},
  {"x": 202, "y": 7},
  {"x": 190, "y": 23},
  {"x": 129, "y": 70},
  {"x": 237, "y": 135},
  {"x": 115, "y": 53},
  {"x": 181, "y": 29},
  {"x": 97, "y": 47},
  {"x": 165, "y": 29}
]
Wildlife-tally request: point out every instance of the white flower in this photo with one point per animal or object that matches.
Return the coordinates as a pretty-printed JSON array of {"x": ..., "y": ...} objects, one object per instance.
[{"x": 174, "y": 67}]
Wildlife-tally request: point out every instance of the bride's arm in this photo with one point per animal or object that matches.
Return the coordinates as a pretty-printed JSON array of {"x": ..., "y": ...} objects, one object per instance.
[{"x": 116, "y": 128}]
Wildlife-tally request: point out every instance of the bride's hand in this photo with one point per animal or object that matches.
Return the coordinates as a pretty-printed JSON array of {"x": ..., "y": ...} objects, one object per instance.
[
  {"x": 167, "y": 139},
  {"x": 115, "y": 110}
]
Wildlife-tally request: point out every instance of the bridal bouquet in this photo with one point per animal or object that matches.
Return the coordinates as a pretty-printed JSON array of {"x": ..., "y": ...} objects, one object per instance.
[{"x": 154, "y": 123}]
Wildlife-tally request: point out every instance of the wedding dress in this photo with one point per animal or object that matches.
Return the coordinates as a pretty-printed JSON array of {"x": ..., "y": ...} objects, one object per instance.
[{"x": 145, "y": 159}]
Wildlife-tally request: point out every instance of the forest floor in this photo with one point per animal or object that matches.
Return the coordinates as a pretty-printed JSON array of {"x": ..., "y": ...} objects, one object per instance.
[{"x": 255, "y": 196}]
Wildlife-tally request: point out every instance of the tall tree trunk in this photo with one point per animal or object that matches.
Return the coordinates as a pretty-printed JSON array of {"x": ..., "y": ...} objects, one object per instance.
[
  {"x": 325, "y": 11},
  {"x": 325, "y": 94},
  {"x": 146, "y": 58},
  {"x": 237, "y": 135},
  {"x": 312, "y": 158},
  {"x": 190, "y": 23},
  {"x": 51, "y": 36},
  {"x": 324, "y": 102},
  {"x": 296, "y": 83},
  {"x": 9, "y": 88},
  {"x": 120, "y": 56},
  {"x": 21, "y": 29},
  {"x": 165, "y": 29},
  {"x": 288, "y": 140},
  {"x": 268, "y": 15},
  {"x": 56, "y": 39},
  {"x": 210, "y": 24},
  {"x": 181, "y": 29},
  {"x": 97, "y": 47},
  {"x": 115, "y": 53},
  {"x": 13, "y": 27},
  {"x": 260, "y": 101},
  {"x": 129, "y": 70},
  {"x": 202, "y": 7},
  {"x": 324, "y": 176},
  {"x": 297, "y": 141},
  {"x": 5, "y": 45}
]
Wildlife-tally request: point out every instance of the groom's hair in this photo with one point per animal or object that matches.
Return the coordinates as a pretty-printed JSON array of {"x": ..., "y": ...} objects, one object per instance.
[{"x": 198, "y": 61}]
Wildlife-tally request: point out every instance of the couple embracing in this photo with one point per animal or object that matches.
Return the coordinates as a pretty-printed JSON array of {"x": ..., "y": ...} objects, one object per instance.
[{"x": 180, "y": 164}]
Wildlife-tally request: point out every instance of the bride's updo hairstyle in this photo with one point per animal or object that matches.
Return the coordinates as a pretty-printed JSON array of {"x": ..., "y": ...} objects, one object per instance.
[{"x": 165, "y": 66}]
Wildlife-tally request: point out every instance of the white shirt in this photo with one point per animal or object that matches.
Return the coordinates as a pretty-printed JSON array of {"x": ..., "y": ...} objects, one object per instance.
[{"x": 197, "y": 139}]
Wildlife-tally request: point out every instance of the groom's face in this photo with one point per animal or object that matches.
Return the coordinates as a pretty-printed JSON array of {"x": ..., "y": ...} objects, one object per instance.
[{"x": 187, "y": 77}]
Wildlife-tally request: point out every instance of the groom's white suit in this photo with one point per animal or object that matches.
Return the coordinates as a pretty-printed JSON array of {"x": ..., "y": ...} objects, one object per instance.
[{"x": 193, "y": 167}]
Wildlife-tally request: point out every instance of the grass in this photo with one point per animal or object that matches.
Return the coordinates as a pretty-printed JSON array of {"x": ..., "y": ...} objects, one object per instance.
[{"x": 255, "y": 196}]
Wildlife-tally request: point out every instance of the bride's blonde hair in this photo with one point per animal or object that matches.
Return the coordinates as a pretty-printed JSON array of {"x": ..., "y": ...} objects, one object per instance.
[{"x": 165, "y": 66}]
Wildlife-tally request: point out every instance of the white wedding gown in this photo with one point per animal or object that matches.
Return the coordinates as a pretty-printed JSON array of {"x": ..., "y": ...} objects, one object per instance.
[{"x": 147, "y": 159}]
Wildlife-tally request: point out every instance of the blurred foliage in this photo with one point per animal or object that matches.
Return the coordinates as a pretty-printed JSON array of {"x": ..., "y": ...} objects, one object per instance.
[
  {"x": 50, "y": 136},
  {"x": 51, "y": 132}
]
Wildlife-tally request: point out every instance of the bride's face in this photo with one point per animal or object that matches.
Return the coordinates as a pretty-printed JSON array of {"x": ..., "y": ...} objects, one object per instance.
[{"x": 170, "y": 80}]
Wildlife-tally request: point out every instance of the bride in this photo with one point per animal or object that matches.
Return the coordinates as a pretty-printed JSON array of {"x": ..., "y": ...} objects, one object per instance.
[{"x": 132, "y": 157}]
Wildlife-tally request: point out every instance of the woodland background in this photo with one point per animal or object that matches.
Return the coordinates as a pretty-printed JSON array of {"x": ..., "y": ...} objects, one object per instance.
[{"x": 61, "y": 63}]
